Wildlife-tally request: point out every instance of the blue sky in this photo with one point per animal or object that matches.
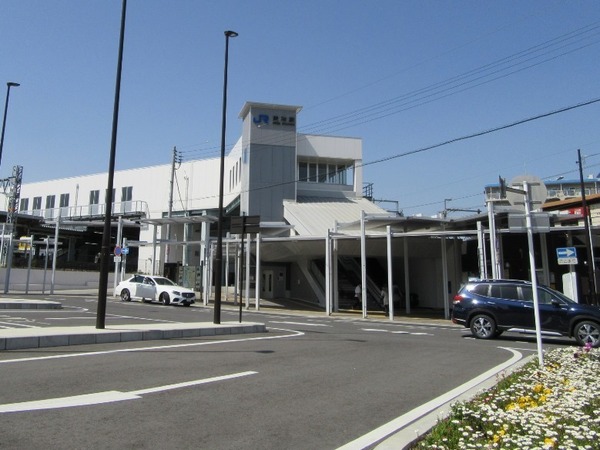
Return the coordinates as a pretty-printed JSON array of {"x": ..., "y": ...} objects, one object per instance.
[{"x": 401, "y": 75}]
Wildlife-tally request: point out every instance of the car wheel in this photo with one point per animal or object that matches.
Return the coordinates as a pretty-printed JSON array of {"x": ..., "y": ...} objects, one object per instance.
[
  {"x": 125, "y": 295},
  {"x": 587, "y": 332},
  {"x": 164, "y": 298},
  {"x": 483, "y": 327}
]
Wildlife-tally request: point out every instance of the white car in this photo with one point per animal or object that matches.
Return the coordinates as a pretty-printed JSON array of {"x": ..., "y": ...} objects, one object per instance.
[{"x": 151, "y": 288}]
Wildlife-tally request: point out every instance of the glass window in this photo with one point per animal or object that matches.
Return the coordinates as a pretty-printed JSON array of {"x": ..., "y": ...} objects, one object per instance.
[
  {"x": 322, "y": 173},
  {"x": 312, "y": 172},
  {"x": 24, "y": 204},
  {"x": 480, "y": 289},
  {"x": 127, "y": 193},
  {"x": 50, "y": 201},
  {"x": 303, "y": 171},
  {"x": 64, "y": 200},
  {"x": 505, "y": 291},
  {"x": 37, "y": 203},
  {"x": 544, "y": 297},
  {"x": 94, "y": 197}
]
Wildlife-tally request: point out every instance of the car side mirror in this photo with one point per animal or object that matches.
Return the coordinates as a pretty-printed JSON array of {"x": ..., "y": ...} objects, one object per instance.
[{"x": 555, "y": 303}]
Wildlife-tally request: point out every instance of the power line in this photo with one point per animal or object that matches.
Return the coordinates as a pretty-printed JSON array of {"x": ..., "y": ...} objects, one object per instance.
[{"x": 441, "y": 144}]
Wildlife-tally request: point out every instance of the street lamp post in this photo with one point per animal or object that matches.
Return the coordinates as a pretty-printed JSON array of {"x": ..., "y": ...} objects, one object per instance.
[
  {"x": 8, "y": 86},
  {"x": 104, "y": 252},
  {"x": 219, "y": 254}
]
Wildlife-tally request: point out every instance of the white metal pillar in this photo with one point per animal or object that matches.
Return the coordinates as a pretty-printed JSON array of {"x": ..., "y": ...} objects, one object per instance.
[
  {"x": 481, "y": 251},
  {"x": 328, "y": 277},
  {"x": 119, "y": 238},
  {"x": 390, "y": 273},
  {"x": 445, "y": 278},
  {"x": 55, "y": 254},
  {"x": 227, "y": 268},
  {"x": 154, "y": 249},
  {"x": 258, "y": 273},
  {"x": 534, "y": 284},
  {"x": 363, "y": 264},
  {"x": 248, "y": 250},
  {"x": 493, "y": 240},
  {"x": 335, "y": 280}
]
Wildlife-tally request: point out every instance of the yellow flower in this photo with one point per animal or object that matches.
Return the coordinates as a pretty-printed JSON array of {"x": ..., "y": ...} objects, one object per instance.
[{"x": 549, "y": 443}]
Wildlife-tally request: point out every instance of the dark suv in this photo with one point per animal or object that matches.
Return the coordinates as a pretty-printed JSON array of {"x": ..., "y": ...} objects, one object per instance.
[{"x": 490, "y": 307}]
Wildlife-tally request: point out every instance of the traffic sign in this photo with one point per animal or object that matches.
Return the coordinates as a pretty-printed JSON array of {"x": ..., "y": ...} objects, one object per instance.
[
  {"x": 125, "y": 251},
  {"x": 117, "y": 251},
  {"x": 566, "y": 255}
]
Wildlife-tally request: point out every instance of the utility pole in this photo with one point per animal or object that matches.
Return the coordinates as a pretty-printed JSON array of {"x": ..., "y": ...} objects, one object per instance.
[{"x": 175, "y": 164}]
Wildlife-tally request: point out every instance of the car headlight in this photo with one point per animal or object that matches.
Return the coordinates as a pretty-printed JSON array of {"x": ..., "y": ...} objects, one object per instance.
[{"x": 176, "y": 292}]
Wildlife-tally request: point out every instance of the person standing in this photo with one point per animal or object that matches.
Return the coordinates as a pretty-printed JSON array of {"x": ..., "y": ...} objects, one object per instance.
[
  {"x": 357, "y": 296},
  {"x": 385, "y": 298}
]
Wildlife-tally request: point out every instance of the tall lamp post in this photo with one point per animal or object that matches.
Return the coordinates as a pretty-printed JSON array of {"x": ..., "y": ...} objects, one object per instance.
[
  {"x": 105, "y": 249},
  {"x": 8, "y": 86},
  {"x": 219, "y": 254}
]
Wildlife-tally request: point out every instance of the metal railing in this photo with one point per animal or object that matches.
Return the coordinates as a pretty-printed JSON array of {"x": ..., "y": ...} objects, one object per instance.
[{"x": 80, "y": 212}]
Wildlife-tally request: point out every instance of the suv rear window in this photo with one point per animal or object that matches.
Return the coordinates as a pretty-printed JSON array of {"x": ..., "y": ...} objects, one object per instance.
[{"x": 480, "y": 289}]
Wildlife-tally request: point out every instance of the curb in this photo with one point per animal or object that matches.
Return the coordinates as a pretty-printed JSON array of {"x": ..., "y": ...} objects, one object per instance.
[{"x": 51, "y": 337}]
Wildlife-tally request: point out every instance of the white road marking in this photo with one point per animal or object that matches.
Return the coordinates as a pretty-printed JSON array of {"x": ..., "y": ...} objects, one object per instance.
[
  {"x": 380, "y": 330},
  {"x": 302, "y": 323},
  {"x": 108, "y": 396},
  {"x": 293, "y": 333},
  {"x": 400, "y": 422},
  {"x": 71, "y": 318},
  {"x": 17, "y": 324}
]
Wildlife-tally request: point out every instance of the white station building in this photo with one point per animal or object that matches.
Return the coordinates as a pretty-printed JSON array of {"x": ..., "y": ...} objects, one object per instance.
[
  {"x": 299, "y": 185},
  {"x": 316, "y": 239}
]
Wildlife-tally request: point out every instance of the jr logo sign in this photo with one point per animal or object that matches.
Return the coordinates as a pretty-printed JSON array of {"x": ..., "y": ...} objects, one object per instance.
[{"x": 261, "y": 118}]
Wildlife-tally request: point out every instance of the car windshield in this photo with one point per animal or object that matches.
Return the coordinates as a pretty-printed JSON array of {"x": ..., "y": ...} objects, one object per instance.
[{"x": 164, "y": 281}]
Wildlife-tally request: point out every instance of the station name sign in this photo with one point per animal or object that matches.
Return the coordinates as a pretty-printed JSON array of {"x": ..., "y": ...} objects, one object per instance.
[{"x": 266, "y": 119}]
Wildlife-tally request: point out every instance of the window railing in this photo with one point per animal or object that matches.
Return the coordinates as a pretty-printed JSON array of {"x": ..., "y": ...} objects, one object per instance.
[{"x": 79, "y": 212}]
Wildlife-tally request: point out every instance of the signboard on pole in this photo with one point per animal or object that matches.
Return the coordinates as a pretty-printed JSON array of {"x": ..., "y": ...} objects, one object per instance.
[{"x": 566, "y": 255}]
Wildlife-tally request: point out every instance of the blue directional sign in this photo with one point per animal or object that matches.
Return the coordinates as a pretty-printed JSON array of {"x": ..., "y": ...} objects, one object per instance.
[{"x": 566, "y": 255}]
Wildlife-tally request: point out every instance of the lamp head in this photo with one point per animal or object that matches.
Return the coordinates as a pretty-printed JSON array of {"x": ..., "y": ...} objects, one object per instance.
[
  {"x": 12, "y": 84},
  {"x": 230, "y": 33}
]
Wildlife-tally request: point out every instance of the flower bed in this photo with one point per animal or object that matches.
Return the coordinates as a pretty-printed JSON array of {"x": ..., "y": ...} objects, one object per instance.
[{"x": 551, "y": 408}]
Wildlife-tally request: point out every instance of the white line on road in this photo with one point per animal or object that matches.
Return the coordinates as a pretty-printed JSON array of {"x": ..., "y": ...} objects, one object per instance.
[
  {"x": 17, "y": 324},
  {"x": 71, "y": 318},
  {"x": 108, "y": 396},
  {"x": 380, "y": 330},
  {"x": 302, "y": 323}
]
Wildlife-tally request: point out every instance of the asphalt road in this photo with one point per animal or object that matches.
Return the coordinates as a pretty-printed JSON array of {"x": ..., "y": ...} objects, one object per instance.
[{"x": 311, "y": 382}]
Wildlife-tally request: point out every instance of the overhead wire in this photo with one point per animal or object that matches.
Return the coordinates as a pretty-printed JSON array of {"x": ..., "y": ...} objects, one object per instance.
[
  {"x": 440, "y": 144},
  {"x": 451, "y": 86}
]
